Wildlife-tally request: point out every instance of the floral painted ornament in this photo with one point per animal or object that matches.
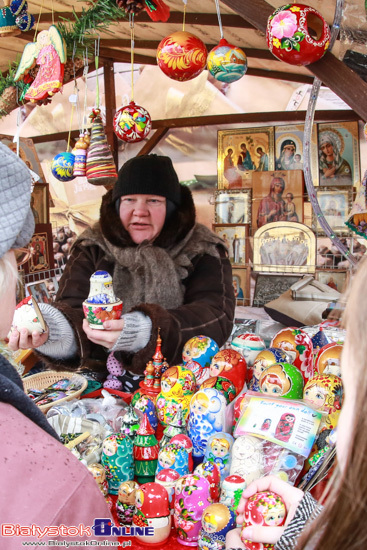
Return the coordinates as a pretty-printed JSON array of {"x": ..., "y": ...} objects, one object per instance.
[
  {"x": 62, "y": 166},
  {"x": 227, "y": 63},
  {"x": 117, "y": 459},
  {"x": 263, "y": 508},
  {"x": 181, "y": 56},
  {"x": 132, "y": 123},
  {"x": 290, "y": 34},
  {"x": 192, "y": 496}
]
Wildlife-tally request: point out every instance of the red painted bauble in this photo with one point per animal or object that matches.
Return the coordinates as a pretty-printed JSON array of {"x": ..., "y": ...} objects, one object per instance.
[
  {"x": 132, "y": 123},
  {"x": 297, "y": 34},
  {"x": 181, "y": 56}
]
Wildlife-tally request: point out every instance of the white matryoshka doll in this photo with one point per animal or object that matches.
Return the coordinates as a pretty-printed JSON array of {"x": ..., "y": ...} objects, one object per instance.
[
  {"x": 207, "y": 416},
  {"x": 197, "y": 355},
  {"x": 297, "y": 343},
  {"x": 175, "y": 457},
  {"x": 152, "y": 510},
  {"x": 249, "y": 345},
  {"x": 247, "y": 458},
  {"x": 263, "y": 508},
  {"x": 218, "y": 450},
  {"x": 217, "y": 520},
  {"x": 125, "y": 503},
  {"x": 178, "y": 384},
  {"x": 231, "y": 491}
]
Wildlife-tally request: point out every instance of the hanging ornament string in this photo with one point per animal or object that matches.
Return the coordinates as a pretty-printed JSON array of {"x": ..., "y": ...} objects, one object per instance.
[
  {"x": 38, "y": 22},
  {"x": 52, "y": 12},
  {"x": 96, "y": 60},
  {"x": 184, "y": 15},
  {"x": 71, "y": 99},
  {"x": 219, "y": 18},
  {"x": 76, "y": 92},
  {"x": 132, "y": 39},
  {"x": 85, "y": 77},
  {"x": 307, "y": 148}
]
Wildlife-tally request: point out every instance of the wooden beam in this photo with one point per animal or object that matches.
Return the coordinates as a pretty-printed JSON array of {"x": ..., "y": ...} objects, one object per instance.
[
  {"x": 280, "y": 75},
  {"x": 153, "y": 141},
  {"x": 333, "y": 73},
  {"x": 120, "y": 56},
  {"x": 110, "y": 104}
]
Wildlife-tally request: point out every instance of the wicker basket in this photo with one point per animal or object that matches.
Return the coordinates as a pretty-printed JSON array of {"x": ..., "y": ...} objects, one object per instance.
[{"x": 44, "y": 379}]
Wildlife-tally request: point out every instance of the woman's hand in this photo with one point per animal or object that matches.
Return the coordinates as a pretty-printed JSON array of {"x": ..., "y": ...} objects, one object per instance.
[
  {"x": 107, "y": 337},
  {"x": 233, "y": 539},
  {"x": 291, "y": 496},
  {"x": 22, "y": 339}
]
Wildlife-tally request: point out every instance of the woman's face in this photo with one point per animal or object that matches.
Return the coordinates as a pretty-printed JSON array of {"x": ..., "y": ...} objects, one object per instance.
[
  {"x": 346, "y": 418},
  {"x": 8, "y": 302},
  {"x": 327, "y": 149},
  {"x": 143, "y": 216},
  {"x": 289, "y": 150}
]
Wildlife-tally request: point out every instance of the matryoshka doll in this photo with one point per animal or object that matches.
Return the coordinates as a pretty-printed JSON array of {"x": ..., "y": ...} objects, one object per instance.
[
  {"x": 184, "y": 441},
  {"x": 218, "y": 450},
  {"x": 117, "y": 459},
  {"x": 177, "y": 387},
  {"x": 175, "y": 457},
  {"x": 328, "y": 359},
  {"x": 247, "y": 458},
  {"x": 210, "y": 471},
  {"x": 249, "y": 345},
  {"x": 167, "y": 478},
  {"x": 99, "y": 474},
  {"x": 265, "y": 359},
  {"x": 146, "y": 449},
  {"x": 229, "y": 364},
  {"x": 197, "y": 355},
  {"x": 152, "y": 510},
  {"x": 297, "y": 343},
  {"x": 263, "y": 508},
  {"x": 223, "y": 385},
  {"x": 282, "y": 380},
  {"x": 207, "y": 416},
  {"x": 324, "y": 392},
  {"x": 146, "y": 406},
  {"x": 125, "y": 503},
  {"x": 217, "y": 520},
  {"x": 231, "y": 491},
  {"x": 192, "y": 496}
]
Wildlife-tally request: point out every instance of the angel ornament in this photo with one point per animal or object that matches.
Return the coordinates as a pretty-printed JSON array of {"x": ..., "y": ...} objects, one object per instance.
[{"x": 49, "y": 53}]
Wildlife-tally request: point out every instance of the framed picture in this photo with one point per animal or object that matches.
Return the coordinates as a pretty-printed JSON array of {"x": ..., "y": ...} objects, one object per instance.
[
  {"x": 270, "y": 287},
  {"x": 336, "y": 279},
  {"x": 335, "y": 204},
  {"x": 329, "y": 257},
  {"x": 233, "y": 206},
  {"x": 39, "y": 203},
  {"x": 284, "y": 247},
  {"x": 41, "y": 258},
  {"x": 289, "y": 153},
  {"x": 235, "y": 237},
  {"x": 27, "y": 153},
  {"x": 338, "y": 153},
  {"x": 277, "y": 197},
  {"x": 241, "y": 282},
  {"x": 39, "y": 291},
  {"x": 242, "y": 151}
]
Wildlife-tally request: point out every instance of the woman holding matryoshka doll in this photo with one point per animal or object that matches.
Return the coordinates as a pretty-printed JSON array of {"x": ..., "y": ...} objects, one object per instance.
[{"x": 341, "y": 524}]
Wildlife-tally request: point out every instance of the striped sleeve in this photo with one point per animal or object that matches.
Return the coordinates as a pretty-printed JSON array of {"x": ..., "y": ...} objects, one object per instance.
[
  {"x": 135, "y": 334},
  {"x": 308, "y": 509}
]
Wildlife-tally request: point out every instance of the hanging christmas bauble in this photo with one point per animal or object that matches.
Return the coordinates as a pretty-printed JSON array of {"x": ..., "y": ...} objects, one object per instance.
[
  {"x": 132, "y": 123},
  {"x": 226, "y": 62},
  {"x": 62, "y": 166},
  {"x": 297, "y": 34},
  {"x": 25, "y": 21},
  {"x": 18, "y": 6},
  {"x": 181, "y": 56}
]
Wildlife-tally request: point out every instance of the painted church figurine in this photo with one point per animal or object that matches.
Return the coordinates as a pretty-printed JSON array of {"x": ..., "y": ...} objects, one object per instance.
[{"x": 151, "y": 385}]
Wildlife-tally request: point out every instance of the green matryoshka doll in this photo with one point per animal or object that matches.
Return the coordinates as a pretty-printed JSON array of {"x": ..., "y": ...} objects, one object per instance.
[
  {"x": 282, "y": 380},
  {"x": 117, "y": 459},
  {"x": 178, "y": 385}
]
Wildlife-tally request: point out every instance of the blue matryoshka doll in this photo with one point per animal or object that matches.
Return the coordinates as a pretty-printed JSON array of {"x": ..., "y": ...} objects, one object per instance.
[
  {"x": 146, "y": 405},
  {"x": 197, "y": 355},
  {"x": 174, "y": 457},
  {"x": 218, "y": 450}
]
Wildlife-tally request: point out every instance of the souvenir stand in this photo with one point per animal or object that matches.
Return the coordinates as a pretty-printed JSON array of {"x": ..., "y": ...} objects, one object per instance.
[{"x": 289, "y": 203}]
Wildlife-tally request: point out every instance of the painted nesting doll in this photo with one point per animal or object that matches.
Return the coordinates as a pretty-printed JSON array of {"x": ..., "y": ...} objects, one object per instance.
[
  {"x": 125, "y": 503},
  {"x": 192, "y": 496},
  {"x": 152, "y": 510},
  {"x": 167, "y": 478},
  {"x": 146, "y": 451},
  {"x": 146, "y": 406},
  {"x": 210, "y": 471},
  {"x": 197, "y": 355},
  {"x": 117, "y": 459},
  {"x": 249, "y": 345},
  {"x": 265, "y": 359},
  {"x": 231, "y": 491},
  {"x": 175, "y": 427},
  {"x": 184, "y": 441},
  {"x": 99, "y": 474},
  {"x": 247, "y": 458},
  {"x": 324, "y": 392},
  {"x": 175, "y": 457},
  {"x": 223, "y": 385},
  {"x": 218, "y": 450},
  {"x": 282, "y": 380},
  {"x": 217, "y": 520},
  {"x": 178, "y": 384},
  {"x": 328, "y": 359},
  {"x": 263, "y": 508},
  {"x": 297, "y": 343},
  {"x": 229, "y": 364},
  {"x": 207, "y": 416}
]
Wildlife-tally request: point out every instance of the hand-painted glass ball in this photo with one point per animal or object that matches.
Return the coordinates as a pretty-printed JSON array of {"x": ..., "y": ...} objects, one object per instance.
[
  {"x": 226, "y": 62},
  {"x": 132, "y": 123},
  {"x": 282, "y": 380},
  {"x": 297, "y": 34},
  {"x": 62, "y": 166},
  {"x": 263, "y": 508},
  {"x": 197, "y": 354},
  {"x": 181, "y": 56}
]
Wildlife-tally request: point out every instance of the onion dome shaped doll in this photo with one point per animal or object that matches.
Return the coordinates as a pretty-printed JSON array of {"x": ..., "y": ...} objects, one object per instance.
[
  {"x": 218, "y": 450},
  {"x": 263, "y": 508},
  {"x": 229, "y": 364},
  {"x": 178, "y": 384},
  {"x": 175, "y": 457},
  {"x": 297, "y": 343},
  {"x": 167, "y": 478},
  {"x": 247, "y": 458},
  {"x": 231, "y": 491},
  {"x": 210, "y": 471},
  {"x": 197, "y": 355},
  {"x": 125, "y": 503},
  {"x": 265, "y": 359},
  {"x": 217, "y": 520},
  {"x": 282, "y": 380},
  {"x": 117, "y": 459},
  {"x": 184, "y": 441},
  {"x": 207, "y": 416},
  {"x": 152, "y": 510},
  {"x": 328, "y": 359},
  {"x": 192, "y": 496}
]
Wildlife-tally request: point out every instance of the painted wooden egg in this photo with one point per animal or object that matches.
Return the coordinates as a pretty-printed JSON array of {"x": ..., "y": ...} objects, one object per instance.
[
  {"x": 226, "y": 62},
  {"x": 297, "y": 34},
  {"x": 328, "y": 359},
  {"x": 181, "y": 56},
  {"x": 62, "y": 166},
  {"x": 282, "y": 380},
  {"x": 263, "y": 508},
  {"x": 132, "y": 123},
  {"x": 297, "y": 343},
  {"x": 229, "y": 364},
  {"x": 197, "y": 354}
]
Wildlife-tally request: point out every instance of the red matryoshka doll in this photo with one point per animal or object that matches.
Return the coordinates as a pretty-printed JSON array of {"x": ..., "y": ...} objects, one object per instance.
[
  {"x": 265, "y": 359},
  {"x": 217, "y": 520},
  {"x": 178, "y": 385},
  {"x": 197, "y": 355},
  {"x": 328, "y": 359},
  {"x": 282, "y": 380},
  {"x": 229, "y": 364},
  {"x": 296, "y": 342},
  {"x": 152, "y": 510},
  {"x": 263, "y": 508},
  {"x": 211, "y": 472},
  {"x": 167, "y": 478},
  {"x": 192, "y": 496},
  {"x": 324, "y": 392},
  {"x": 125, "y": 504},
  {"x": 184, "y": 441}
]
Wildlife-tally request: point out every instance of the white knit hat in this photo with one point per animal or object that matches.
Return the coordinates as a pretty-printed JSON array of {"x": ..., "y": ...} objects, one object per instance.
[{"x": 16, "y": 218}]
